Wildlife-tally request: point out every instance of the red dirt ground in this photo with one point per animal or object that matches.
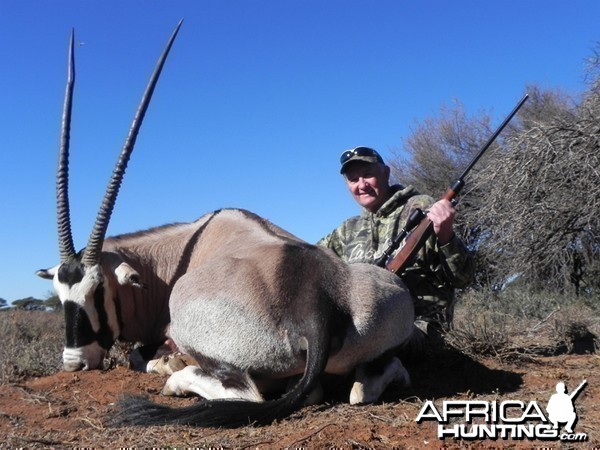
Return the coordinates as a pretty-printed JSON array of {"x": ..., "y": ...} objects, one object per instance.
[{"x": 69, "y": 410}]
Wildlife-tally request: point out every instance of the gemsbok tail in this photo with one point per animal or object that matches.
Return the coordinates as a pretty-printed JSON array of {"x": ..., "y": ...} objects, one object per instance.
[{"x": 135, "y": 410}]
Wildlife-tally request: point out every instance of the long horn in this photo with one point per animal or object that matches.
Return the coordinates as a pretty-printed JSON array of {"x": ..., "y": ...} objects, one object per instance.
[
  {"x": 94, "y": 247},
  {"x": 65, "y": 237}
]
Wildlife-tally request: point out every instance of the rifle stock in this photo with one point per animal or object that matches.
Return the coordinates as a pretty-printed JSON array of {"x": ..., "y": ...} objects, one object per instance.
[
  {"x": 416, "y": 238},
  {"x": 414, "y": 241}
]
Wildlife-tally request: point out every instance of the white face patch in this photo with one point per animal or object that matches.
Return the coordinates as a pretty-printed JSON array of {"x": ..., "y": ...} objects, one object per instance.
[
  {"x": 92, "y": 330},
  {"x": 62, "y": 290},
  {"x": 82, "y": 293}
]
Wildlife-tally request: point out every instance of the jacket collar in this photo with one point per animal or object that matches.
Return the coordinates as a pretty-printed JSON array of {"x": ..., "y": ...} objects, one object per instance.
[{"x": 400, "y": 195}]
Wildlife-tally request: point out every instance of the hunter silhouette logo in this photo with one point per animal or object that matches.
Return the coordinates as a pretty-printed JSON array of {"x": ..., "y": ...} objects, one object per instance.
[
  {"x": 508, "y": 419},
  {"x": 560, "y": 406}
]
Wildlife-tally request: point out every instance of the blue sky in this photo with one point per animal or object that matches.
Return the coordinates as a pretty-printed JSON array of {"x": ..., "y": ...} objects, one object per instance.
[{"x": 256, "y": 102}]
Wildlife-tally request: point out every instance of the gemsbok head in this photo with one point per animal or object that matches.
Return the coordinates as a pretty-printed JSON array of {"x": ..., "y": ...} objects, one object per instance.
[{"x": 80, "y": 280}]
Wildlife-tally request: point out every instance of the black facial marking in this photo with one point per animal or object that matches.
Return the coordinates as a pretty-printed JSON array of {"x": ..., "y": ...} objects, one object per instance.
[
  {"x": 78, "y": 328},
  {"x": 104, "y": 335},
  {"x": 70, "y": 272}
]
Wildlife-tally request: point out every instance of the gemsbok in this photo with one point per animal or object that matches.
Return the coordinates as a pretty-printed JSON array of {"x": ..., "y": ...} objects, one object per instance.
[{"x": 250, "y": 302}]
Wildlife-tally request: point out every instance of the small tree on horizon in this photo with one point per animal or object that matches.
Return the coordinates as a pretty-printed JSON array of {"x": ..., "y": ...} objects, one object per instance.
[{"x": 29, "y": 304}]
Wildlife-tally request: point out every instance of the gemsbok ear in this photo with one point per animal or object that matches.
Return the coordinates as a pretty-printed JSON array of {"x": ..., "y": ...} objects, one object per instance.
[
  {"x": 127, "y": 275},
  {"x": 47, "y": 274}
]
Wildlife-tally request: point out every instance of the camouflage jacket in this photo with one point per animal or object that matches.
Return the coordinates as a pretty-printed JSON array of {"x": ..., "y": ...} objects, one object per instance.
[{"x": 437, "y": 271}]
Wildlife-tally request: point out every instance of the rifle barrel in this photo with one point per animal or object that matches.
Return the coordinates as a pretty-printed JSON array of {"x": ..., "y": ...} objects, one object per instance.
[
  {"x": 494, "y": 136},
  {"x": 423, "y": 227}
]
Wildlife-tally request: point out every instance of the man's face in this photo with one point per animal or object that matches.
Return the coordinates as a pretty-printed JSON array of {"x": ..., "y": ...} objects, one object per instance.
[{"x": 368, "y": 183}]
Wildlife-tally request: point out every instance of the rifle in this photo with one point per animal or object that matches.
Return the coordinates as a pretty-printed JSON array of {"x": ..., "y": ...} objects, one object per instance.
[{"x": 418, "y": 227}]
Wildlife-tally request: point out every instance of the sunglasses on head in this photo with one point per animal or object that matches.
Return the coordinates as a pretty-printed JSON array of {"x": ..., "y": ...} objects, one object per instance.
[{"x": 359, "y": 151}]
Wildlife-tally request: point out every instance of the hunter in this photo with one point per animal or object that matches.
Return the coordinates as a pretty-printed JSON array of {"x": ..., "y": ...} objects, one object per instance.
[{"x": 443, "y": 264}]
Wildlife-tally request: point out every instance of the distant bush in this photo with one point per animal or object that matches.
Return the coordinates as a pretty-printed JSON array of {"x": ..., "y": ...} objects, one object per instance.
[
  {"x": 519, "y": 321},
  {"x": 32, "y": 343}
]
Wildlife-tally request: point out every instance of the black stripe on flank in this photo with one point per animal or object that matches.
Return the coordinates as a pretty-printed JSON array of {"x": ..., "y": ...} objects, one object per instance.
[{"x": 186, "y": 256}]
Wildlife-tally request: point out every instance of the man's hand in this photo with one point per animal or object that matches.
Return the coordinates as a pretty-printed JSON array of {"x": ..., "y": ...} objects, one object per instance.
[{"x": 441, "y": 214}]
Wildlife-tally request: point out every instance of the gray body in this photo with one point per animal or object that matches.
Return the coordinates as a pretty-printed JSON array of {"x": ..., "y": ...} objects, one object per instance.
[
  {"x": 234, "y": 287},
  {"x": 252, "y": 286}
]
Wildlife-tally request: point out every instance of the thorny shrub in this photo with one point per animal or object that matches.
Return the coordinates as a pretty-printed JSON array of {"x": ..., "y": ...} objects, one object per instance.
[{"x": 517, "y": 322}]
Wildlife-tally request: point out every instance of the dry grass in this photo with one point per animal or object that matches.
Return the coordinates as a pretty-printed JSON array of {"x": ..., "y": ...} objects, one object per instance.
[
  {"x": 32, "y": 344},
  {"x": 513, "y": 323},
  {"x": 517, "y": 323}
]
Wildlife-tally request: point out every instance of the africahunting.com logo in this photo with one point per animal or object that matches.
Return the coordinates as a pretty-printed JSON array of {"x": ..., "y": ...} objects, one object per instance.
[{"x": 509, "y": 419}]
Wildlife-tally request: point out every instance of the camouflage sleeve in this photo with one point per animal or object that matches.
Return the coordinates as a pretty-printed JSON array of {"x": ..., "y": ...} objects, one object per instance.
[
  {"x": 458, "y": 264},
  {"x": 333, "y": 241},
  {"x": 325, "y": 240}
]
